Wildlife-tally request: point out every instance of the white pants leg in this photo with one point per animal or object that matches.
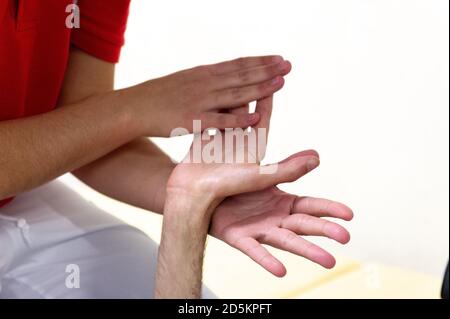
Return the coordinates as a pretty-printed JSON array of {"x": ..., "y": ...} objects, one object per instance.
[{"x": 51, "y": 230}]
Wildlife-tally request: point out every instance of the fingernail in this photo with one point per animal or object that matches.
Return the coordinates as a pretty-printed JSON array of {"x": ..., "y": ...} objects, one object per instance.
[
  {"x": 283, "y": 65},
  {"x": 277, "y": 59},
  {"x": 312, "y": 163},
  {"x": 275, "y": 80},
  {"x": 252, "y": 117}
]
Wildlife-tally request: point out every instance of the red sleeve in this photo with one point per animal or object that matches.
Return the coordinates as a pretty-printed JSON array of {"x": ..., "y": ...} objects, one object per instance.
[{"x": 102, "y": 28}]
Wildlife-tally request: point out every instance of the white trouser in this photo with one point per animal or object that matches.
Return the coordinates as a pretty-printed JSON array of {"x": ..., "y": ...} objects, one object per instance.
[{"x": 54, "y": 244}]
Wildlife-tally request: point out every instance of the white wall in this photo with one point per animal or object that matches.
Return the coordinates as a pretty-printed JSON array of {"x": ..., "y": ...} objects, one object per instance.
[{"x": 369, "y": 91}]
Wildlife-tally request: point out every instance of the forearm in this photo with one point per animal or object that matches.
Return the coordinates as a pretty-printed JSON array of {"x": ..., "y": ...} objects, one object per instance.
[
  {"x": 37, "y": 149},
  {"x": 135, "y": 173},
  {"x": 180, "y": 259}
]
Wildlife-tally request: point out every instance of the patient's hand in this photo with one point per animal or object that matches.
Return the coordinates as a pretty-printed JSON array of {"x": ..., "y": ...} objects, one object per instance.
[
  {"x": 248, "y": 209},
  {"x": 279, "y": 219}
]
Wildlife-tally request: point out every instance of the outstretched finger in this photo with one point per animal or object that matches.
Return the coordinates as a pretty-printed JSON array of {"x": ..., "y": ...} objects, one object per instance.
[
  {"x": 253, "y": 249},
  {"x": 287, "y": 240},
  {"x": 321, "y": 208},
  {"x": 307, "y": 225},
  {"x": 261, "y": 177}
]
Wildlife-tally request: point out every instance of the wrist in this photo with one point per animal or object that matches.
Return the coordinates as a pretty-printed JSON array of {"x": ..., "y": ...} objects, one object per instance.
[
  {"x": 193, "y": 209},
  {"x": 180, "y": 257},
  {"x": 134, "y": 105}
]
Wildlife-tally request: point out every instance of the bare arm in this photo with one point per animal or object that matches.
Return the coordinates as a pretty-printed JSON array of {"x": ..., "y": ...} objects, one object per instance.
[
  {"x": 180, "y": 259},
  {"x": 94, "y": 121},
  {"x": 38, "y": 149},
  {"x": 135, "y": 173}
]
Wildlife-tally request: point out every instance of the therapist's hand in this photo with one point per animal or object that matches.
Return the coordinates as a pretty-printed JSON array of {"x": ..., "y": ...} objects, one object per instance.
[{"x": 204, "y": 93}]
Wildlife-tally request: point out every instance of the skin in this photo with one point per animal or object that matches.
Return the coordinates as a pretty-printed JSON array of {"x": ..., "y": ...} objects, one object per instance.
[
  {"x": 245, "y": 209},
  {"x": 95, "y": 135},
  {"x": 137, "y": 173},
  {"x": 276, "y": 218},
  {"x": 180, "y": 256},
  {"x": 91, "y": 123}
]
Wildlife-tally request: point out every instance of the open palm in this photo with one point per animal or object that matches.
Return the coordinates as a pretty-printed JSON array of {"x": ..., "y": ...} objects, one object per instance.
[
  {"x": 279, "y": 219},
  {"x": 250, "y": 210}
]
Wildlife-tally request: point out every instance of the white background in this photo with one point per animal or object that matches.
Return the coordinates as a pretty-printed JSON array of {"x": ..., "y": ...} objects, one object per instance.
[{"x": 369, "y": 91}]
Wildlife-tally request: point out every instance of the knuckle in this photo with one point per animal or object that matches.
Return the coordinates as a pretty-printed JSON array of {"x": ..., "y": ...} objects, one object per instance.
[
  {"x": 240, "y": 62},
  {"x": 323, "y": 227},
  {"x": 203, "y": 73},
  {"x": 301, "y": 221},
  {"x": 327, "y": 205},
  {"x": 288, "y": 238},
  {"x": 201, "y": 69},
  {"x": 216, "y": 98},
  {"x": 243, "y": 76},
  {"x": 308, "y": 203},
  {"x": 201, "y": 117},
  {"x": 262, "y": 258},
  {"x": 263, "y": 87},
  {"x": 241, "y": 120},
  {"x": 235, "y": 235},
  {"x": 306, "y": 249},
  {"x": 221, "y": 121},
  {"x": 266, "y": 235},
  {"x": 236, "y": 94},
  {"x": 186, "y": 121},
  {"x": 193, "y": 95},
  {"x": 272, "y": 71}
]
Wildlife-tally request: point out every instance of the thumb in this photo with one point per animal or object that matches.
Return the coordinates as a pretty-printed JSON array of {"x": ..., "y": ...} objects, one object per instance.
[
  {"x": 288, "y": 170},
  {"x": 264, "y": 109},
  {"x": 256, "y": 178}
]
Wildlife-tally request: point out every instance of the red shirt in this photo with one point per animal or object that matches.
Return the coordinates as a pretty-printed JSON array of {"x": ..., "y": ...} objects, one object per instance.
[{"x": 34, "y": 48}]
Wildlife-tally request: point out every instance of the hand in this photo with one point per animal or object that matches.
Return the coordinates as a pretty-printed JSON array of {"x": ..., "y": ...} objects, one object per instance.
[
  {"x": 260, "y": 213},
  {"x": 279, "y": 219},
  {"x": 220, "y": 178},
  {"x": 193, "y": 192},
  {"x": 202, "y": 93},
  {"x": 213, "y": 181}
]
